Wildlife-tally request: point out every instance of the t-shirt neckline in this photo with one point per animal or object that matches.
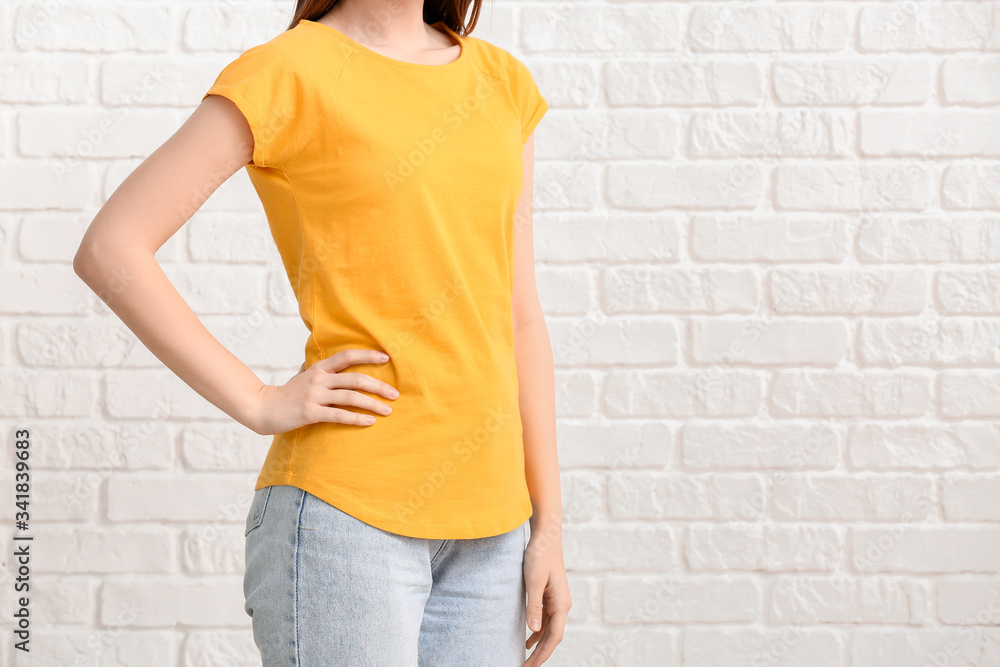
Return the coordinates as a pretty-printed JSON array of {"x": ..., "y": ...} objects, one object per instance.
[{"x": 392, "y": 61}]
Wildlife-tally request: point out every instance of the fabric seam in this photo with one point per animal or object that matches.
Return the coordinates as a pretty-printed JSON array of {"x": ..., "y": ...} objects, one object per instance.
[{"x": 298, "y": 531}]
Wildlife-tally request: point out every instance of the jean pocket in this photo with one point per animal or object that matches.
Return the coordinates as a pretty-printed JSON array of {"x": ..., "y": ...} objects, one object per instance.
[{"x": 255, "y": 516}]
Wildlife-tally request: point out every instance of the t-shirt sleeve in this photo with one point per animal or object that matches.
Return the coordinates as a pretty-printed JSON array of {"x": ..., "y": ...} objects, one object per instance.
[
  {"x": 273, "y": 99},
  {"x": 530, "y": 103}
]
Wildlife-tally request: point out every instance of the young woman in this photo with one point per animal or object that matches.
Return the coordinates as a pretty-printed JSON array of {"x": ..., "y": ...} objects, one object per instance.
[{"x": 393, "y": 155}]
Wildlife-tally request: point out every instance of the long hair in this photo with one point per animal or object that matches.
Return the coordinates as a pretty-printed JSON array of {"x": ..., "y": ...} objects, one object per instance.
[{"x": 451, "y": 12}]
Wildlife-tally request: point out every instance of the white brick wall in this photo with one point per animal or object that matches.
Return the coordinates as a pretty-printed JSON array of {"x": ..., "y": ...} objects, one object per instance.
[{"x": 768, "y": 244}]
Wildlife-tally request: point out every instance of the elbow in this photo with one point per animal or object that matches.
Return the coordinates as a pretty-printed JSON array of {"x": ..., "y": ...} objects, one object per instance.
[{"x": 84, "y": 261}]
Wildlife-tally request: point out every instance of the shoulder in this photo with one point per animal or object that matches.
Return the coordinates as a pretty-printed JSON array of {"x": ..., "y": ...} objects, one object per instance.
[
  {"x": 295, "y": 51},
  {"x": 494, "y": 60}
]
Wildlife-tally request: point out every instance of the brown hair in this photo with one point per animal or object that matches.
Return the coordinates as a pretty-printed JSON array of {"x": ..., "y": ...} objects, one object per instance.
[{"x": 450, "y": 12}]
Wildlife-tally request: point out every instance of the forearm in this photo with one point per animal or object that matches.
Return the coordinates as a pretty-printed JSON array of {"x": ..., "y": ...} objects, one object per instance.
[
  {"x": 136, "y": 289},
  {"x": 536, "y": 383}
]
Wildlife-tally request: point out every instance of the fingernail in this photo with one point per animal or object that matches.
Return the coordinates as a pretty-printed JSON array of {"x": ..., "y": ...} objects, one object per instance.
[
  {"x": 383, "y": 356},
  {"x": 369, "y": 419},
  {"x": 535, "y": 624}
]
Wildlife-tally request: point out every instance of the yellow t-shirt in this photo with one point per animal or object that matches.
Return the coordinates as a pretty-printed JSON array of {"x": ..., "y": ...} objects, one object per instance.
[{"x": 390, "y": 189}]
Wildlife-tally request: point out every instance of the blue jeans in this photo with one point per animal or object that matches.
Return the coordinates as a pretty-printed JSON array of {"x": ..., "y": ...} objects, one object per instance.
[{"x": 323, "y": 588}]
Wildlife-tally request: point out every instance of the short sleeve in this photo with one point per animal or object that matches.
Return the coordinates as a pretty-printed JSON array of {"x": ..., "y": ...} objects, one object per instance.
[
  {"x": 530, "y": 103},
  {"x": 272, "y": 97}
]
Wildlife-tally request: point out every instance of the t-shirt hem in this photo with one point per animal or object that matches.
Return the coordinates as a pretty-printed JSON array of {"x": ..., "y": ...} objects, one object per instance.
[{"x": 503, "y": 522}]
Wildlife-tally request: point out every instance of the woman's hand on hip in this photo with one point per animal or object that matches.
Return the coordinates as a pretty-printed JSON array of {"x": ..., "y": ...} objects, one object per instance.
[
  {"x": 549, "y": 601},
  {"x": 312, "y": 394}
]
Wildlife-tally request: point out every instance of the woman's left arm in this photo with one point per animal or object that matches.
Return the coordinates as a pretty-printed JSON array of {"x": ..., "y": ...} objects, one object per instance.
[{"x": 544, "y": 567}]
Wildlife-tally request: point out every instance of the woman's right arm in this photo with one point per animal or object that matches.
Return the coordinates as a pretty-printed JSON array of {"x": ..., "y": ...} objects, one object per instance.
[{"x": 116, "y": 259}]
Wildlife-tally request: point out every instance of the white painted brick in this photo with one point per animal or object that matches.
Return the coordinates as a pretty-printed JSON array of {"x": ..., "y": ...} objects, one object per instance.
[
  {"x": 640, "y": 495},
  {"x": 582, "y": 496},
  {"x": 44, "y": 289},
  {"x": 33, "y": 393},
  {"x": 31, "y": 79},
  {"x": 214, "y": 498},
  {"x": 213, "y": 549},
  {"x": 568, "y": 185},
  {"x": 640, "y": 27},
  {"x": 566, "y": 290},
  {"x": 94, "y": 342},
  {"x": 259, "y": 338},
  {"x": 768, "y": 239},
  {"x": 51, "y": 236},
  {"x": 843, "y": 498},
  {"x": 571, "y": 84},
  {"x": 807, "y": 292},
  {"x": 650, "y": 393},
  {"x": 967, "y": 497},
  {"x": 230, "y": 27},
  {"x": 805, "y": 600},
  {"x": 280, "y": 296},
  {"x": 794, "y": 133},
  {"x": 950, "y": 26},
  {"x": 748, "y": 445},
  {"x": 951, "y": 342},
  {"x": 227, "y": 237},
  {"x": 852, "y": 82},
  {"x": 807, "y": 393},
  {"x": 165, "y": 602},
  {"x": 683, "y": 83},
  {"x": 971, "y": 80},
  {"x": 693, "y": 186},
  {"x": 800, "y": 27},
  {"x": 62, "y": 601},
  {"x": 596, "y": 548},
  {"x": 944, "y": 239},
  {"x": 930, "y": 134},
  {"x": 218, "y": 289},
  {"x": 157, "y": 81},
  {"x": 688, "y": 599},
  {"x": 763, "y": 548},
  {"x": 92, "y": 27},
  {"x": 862, "y": 187},
  {"x": 791, "y": 645},
  {"x": 970, "y": 291},
  {"x": 620, "y": 135},
  {"x": 117, "y": 645},
  {"x": 924, "y": 549},
  {"x": 788, "y": 342},
  {"x": 668, "y": 290},
  {"x": 925, "y": 646},
  {"x": 220, "y": 648},
  {"x": 602, "y": 340},
  {"x": 104, "y": 550},
  {"x": 970, "y": 394},
  {"x": 576, "y": 393},
  {"x": 968, "y": 601},
  {"x": 638, "y": 644},
  {"x": 154, "y": 395},
  {"x": 924, "y": 446},
  {"x": 223, "y": 447},
  {"x": 613, "y": 238},
  {"x": 60, "y": 184},
  {"x": 616, "y": 445},
  {"x": 105, "y": 447},
  {"x": 971, "y": 187}
]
